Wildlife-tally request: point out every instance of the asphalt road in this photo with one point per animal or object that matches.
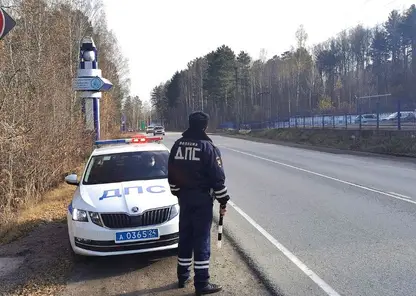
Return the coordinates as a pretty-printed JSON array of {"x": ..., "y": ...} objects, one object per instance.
[{"x": 315, "y": 223}]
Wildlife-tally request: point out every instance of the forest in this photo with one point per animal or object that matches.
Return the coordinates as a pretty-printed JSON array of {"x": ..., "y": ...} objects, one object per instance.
[
  {"x": 42, "y": 135},
  {"x": 327, "y": 78}
]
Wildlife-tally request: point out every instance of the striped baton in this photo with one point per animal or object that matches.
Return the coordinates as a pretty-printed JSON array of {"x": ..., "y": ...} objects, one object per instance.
[{"x": 220, "y": 222}]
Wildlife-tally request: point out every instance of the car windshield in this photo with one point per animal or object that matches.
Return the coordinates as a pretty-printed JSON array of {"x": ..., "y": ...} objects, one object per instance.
[
  {"x": 124, "y": 167},
  {"x": 158, "y": 128},
  {"x": 393, "y": 115}
]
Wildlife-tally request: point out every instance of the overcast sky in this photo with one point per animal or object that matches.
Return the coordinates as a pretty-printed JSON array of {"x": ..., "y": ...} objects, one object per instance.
[{"x": 159, "y": 37}]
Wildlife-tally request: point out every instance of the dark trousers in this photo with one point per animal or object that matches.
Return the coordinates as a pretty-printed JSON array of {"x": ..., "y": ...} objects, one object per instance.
[{"x": 195, "y": 236}]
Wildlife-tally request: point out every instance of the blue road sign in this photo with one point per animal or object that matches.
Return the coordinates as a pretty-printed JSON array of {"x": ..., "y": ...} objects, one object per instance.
[
  {"x": 92, "y": 84},
  {"x": 6, "y": 23}
]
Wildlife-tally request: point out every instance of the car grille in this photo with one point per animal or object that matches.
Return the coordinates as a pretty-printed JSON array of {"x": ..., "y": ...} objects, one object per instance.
[{"x": 152, "y": 217}]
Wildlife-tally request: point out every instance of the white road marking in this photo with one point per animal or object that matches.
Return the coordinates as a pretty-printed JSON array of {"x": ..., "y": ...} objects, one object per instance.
[
  {"x": 306, "y": 270},
  {"x": 395, "y": 195},
  {"x": 401, "y": 195}
]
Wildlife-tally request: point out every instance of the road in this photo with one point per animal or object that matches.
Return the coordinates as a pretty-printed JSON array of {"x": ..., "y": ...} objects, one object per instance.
[{"x": 321, "y": 224}]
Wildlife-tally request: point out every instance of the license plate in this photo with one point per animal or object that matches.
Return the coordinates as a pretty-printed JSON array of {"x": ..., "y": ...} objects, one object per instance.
[{"x": 137, "y": 235}]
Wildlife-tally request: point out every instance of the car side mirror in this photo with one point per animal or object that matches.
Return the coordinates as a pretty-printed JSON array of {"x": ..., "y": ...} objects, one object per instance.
[{"x": 72, "y": 179}]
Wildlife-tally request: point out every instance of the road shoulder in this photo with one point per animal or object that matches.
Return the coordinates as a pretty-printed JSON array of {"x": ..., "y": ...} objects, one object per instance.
[
  {"x": 35, "y": 256},
  {"x": 155, "y": 274}
]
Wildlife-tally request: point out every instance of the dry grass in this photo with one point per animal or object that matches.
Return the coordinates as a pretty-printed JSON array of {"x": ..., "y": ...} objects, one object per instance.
[
  {"x": 52, "y": 262},
  {"x": 385, "y": 142},
  {"x": 52, "y": 207}
]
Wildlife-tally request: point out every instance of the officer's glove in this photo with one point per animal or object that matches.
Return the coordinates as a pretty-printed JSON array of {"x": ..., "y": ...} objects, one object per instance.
[
  {"x": 223, "y": 200},
  {"x": 223, "y": 209},
  {"x": 174, "y": 190}
]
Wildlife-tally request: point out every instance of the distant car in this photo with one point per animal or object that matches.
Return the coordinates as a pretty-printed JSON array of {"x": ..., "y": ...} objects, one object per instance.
[
  {"x": 405, "y": 116},
  {"x": 158, "y": 130},
  {"x": 149, "y": 130},
  {"x": 123, "y": 203},
  {"x": 365, "y": 118}
]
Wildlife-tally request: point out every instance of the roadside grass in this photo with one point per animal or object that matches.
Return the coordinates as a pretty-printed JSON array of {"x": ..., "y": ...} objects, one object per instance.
[
  {"x": 398, "y": 143},
  {"x": 38, "y": 232},
  {"x": 52, "y": 207}
]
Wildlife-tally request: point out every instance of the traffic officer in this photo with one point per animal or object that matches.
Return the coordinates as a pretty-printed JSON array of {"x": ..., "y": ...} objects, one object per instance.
[{"x": 196, "y": 176}]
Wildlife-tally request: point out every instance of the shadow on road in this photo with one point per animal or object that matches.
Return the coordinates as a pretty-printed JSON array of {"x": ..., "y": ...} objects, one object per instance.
[
  {"x": 45, "y": 254},
  {"x": 93, "y": 268},
  {"x": 170, "y": 287}
]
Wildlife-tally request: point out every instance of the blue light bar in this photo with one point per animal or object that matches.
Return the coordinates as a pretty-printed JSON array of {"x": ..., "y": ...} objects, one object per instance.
[
  {"x": 134, "y": 140},
  {"x": 109, "y": 142}
]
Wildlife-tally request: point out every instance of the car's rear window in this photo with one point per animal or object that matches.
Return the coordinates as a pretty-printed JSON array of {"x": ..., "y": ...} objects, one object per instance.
[{"x": 124, "y": 167}]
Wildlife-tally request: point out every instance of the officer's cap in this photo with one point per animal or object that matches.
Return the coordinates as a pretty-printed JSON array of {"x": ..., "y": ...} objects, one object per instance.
[{"x": 198, "y": 119}]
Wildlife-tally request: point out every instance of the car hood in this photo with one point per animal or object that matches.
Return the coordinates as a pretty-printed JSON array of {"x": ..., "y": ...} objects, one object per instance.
[{"x": 124, "y": 196}]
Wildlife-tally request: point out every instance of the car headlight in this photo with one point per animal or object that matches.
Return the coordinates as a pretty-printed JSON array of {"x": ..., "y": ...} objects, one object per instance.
[
  {"x": 95, "y": 218},
  {"x": 79, "y": 215},
  {"x": 174, "y": 211}
]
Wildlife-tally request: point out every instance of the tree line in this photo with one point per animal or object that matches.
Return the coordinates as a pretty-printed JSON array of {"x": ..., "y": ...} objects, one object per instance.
[
  {"x": 41, "y": 124},
  {"x": 327, "y": 78},
  {"x": 136, "y": 112}
]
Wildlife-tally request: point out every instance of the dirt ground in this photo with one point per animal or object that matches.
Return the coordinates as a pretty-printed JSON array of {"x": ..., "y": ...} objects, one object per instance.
[
  {"x": 47, "y": 267},
  {"x": 156, "y": 275}
]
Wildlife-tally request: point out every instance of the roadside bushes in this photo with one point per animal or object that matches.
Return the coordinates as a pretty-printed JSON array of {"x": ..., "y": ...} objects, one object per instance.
[{"x": 42, "y": 134}]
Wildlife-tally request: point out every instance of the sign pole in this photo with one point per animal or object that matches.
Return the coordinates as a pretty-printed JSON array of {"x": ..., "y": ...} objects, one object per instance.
[
  {"x": 96, "y": 110},
  {"x": 91, "y": 83}
]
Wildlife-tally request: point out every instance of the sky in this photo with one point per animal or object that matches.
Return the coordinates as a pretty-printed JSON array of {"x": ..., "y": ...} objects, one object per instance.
[{"x": 159, "y": 37}]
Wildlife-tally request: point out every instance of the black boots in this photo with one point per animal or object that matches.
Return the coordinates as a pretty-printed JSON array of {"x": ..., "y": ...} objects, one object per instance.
[
  {"x": 182, "y": 284},
  {"x": 208, "y": 289}
]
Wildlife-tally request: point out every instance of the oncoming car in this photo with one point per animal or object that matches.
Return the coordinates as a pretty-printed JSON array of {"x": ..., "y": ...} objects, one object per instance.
[
  {"x": 150, "y": 129},
  {"x": 158, "y": 130},
  {"x": 123, "y": 203}
]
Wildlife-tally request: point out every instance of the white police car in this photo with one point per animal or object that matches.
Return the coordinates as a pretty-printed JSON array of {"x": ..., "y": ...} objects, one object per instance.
[{"x": 123, "y": 204}]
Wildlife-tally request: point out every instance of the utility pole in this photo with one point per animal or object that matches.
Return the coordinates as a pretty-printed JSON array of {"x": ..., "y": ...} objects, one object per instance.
[
  {"x": 378, "y": 107},
  {"x": 236, "y": 97}
]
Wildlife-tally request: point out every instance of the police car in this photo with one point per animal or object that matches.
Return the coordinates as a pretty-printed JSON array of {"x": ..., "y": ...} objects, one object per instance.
[{"x": 122, "y": 203}]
